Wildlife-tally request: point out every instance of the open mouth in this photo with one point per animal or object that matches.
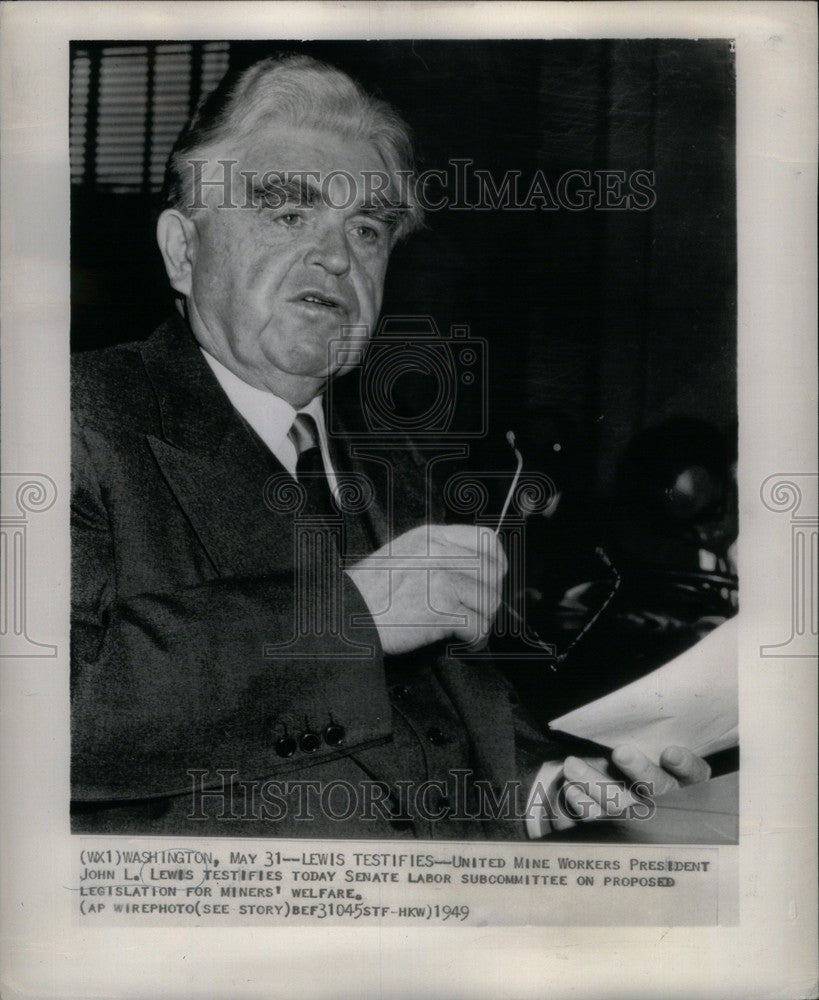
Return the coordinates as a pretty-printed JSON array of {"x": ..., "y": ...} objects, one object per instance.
[{"x": 319, "y": 300}]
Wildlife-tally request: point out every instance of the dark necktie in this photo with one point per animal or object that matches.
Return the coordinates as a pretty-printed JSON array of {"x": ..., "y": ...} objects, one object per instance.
[
  {"x": 357, "y": 540},
  {"x": 310, "y": 471}
]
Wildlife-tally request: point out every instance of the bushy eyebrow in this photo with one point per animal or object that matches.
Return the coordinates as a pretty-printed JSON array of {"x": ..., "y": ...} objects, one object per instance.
[
  {"x": 278, "y": 191},
  {"x": 388, "y": 213}
]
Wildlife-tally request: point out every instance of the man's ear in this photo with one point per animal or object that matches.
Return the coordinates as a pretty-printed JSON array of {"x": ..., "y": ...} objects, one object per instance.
[{"x": 177, "y": 238}]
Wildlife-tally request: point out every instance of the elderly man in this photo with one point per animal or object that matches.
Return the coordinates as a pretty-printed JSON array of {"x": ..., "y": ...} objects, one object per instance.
[{"x": 198, "y": 705}]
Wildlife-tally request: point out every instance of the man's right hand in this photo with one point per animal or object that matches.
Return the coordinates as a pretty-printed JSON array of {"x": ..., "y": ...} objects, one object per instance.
[{"x": 433, "y": 582}]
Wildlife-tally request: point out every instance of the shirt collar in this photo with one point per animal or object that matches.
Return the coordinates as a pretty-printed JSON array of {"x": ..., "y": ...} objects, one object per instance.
[{"x": 268, "y": 414}]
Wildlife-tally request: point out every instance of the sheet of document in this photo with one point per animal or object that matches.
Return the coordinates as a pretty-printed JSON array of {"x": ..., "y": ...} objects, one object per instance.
[{"x": 690, "y": 701}]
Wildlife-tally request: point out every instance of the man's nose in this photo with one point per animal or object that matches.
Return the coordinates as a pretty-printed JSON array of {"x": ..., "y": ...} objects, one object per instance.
[{"x": 330, "y": 250}]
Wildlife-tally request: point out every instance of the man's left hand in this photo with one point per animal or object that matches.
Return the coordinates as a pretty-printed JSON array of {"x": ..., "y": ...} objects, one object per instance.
[{"x": 592, "y": 791}]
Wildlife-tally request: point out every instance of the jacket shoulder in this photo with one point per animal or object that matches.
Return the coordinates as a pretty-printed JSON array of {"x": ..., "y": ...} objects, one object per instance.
[{"x": 110, "y": 386}]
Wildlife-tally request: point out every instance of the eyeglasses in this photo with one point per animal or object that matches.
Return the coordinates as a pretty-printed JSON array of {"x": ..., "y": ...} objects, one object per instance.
[
  {"x": 615, "y": 586},
  {"x": 616, "y": 579}
]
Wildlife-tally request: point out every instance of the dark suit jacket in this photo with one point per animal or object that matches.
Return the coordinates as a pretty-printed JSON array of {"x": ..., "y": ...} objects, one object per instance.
[{"x": 183, "y": 573}]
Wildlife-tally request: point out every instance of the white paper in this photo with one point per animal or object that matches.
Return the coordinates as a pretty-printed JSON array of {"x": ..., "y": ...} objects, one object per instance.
[{"x": 691, "y": 701}]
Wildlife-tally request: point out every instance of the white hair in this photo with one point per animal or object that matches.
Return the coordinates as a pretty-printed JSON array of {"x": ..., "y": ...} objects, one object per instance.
[{"x": 298, "y": 91}]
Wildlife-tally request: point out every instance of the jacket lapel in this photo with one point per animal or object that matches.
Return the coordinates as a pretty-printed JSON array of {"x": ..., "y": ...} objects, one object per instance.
[
  {"x": 219, "y": 471},
  {"x": 399, "y": 491},
  {"x": 224, "y": 478}
]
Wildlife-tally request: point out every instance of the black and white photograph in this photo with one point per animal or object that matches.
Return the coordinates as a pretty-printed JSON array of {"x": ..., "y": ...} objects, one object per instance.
[
  {"x": 404, "y": 396},
  {"x": 408, "y": 538}
]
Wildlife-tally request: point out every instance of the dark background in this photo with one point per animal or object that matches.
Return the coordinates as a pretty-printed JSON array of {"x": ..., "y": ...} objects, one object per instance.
[{"x": 599, "y": 324}]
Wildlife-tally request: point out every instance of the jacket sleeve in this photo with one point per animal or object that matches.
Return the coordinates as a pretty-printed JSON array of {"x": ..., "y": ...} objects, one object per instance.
[{"x": 206, "y": 676}]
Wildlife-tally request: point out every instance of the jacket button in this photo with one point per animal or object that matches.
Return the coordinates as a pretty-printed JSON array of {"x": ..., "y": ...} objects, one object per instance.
[
  {"x": 334, "y": 735},
  {"x": 401, "y": 693},
  {"x": 437, "y": 737},
  {"x": 310, "y": 742},
  {"x": 285, "y": 746}
]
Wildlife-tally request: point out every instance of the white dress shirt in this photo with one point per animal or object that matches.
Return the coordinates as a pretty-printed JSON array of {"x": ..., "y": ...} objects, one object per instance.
[{"x": 272, "y": 417}]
